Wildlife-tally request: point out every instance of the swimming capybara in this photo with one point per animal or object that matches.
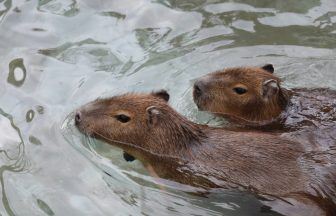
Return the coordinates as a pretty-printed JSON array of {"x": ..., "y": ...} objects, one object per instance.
[
  {"x": 253, "y": 97},
  {"x": 294, "y": 181}
]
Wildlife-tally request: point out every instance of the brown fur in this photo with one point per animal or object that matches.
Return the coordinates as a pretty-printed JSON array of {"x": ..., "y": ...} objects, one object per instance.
[{"x": 203, "y": 156}]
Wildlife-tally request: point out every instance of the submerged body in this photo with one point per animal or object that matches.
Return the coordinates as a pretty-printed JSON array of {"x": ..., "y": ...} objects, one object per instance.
[
  {"x": 253, "y": 98},
  {"x": 145, "y": 126}
]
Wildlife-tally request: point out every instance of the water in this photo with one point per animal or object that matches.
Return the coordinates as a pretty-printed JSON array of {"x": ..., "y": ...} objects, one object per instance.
[{"x": 57, "y": 55}]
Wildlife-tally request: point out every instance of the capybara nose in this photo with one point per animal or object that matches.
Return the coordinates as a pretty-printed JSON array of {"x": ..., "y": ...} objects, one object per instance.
[
  {"x": 78, "y": 117},
  {"x": 198, "y": 88}
]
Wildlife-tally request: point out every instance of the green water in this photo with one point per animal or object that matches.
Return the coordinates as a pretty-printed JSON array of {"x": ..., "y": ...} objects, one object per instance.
[{"x": 57, "y": 55}]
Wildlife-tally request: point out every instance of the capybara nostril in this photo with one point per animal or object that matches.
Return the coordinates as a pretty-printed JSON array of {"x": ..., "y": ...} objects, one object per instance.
[{"x": 78, "y": 117}]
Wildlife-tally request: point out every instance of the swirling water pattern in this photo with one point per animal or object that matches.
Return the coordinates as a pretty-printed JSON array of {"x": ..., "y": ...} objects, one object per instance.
[{"x": 59, "y": 54}]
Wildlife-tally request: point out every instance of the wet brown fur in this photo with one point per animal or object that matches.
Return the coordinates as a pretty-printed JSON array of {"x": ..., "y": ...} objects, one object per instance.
[{"x": 183, "y": 151}]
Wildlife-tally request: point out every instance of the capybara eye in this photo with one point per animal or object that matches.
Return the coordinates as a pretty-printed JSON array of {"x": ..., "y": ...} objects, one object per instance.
[
  {"x": 239, "y": 90},
  {"x": 123, "y": 118}
]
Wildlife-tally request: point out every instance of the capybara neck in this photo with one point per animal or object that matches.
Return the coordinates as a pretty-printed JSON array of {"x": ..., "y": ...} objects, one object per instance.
[{"x": 173, "y": 134}]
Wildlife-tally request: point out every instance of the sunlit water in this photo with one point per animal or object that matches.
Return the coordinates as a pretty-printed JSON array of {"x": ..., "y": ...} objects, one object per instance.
[{"x": 57, "y": 55}]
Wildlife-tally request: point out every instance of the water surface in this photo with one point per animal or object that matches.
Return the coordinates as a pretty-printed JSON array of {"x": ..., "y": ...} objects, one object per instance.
[{"x": 56, "y": 55}]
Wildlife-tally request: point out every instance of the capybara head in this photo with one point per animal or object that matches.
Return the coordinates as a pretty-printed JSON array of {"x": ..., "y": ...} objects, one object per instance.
[
  {"x": 139, "y": 120},
  {"x": 247, "y": 93}
]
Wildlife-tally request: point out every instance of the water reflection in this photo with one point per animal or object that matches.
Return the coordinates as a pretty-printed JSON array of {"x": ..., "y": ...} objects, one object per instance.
[
  {"x": 11, "y": 139},
  {"x": 256, "y": 17},
  {"x": 89, "y": 50},
  {"x": 30, "y": 115},
  {"x": 5, "y": 6},
  {"x": 67, "y": 8},
  {"x": 17, "y": 72},
  {"x": 44, "y": 207},
  {"x": 34, "y": 140},
  {"x": 114, "y": 14},
  {"x": 299, "y": 6}
]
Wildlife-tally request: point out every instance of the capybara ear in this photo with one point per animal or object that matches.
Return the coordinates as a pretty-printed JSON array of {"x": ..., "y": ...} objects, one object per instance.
[
  {"x": 153, "y": 115},
  {"x": 161, "y": 94},
  {"x": 268, "y": 68},
  {"x": 270, "y": 88}
]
